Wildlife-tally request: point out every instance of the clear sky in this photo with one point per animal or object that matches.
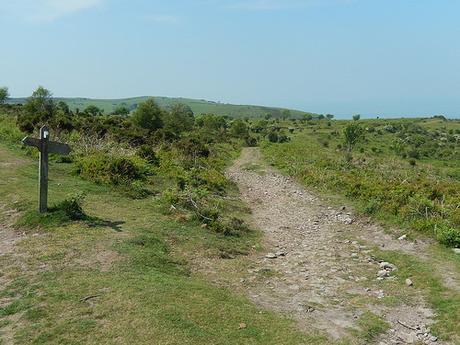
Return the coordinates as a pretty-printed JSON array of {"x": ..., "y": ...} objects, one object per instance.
[{"x": 375, "y": 57}]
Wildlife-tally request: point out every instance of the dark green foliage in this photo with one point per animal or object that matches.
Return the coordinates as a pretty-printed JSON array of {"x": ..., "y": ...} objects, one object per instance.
[
  {"x": 193, "y": 147},
  {"x": 92, "y": 110},
  {"x": 68, "y": 210},
  {"x": 179, "y": 119},
  {"x": 121, "y": 110},
  {"x": 272, "y": 137},
  {"x": 37, "y": 111},
  {"x": 148, "y": 115},
  {"x": 239, "y": 129},
  {"x": 448, "y": 235},
  {"x": 72, "y": 207},
  {"x": 148, "y": 153},
  {"x": 4, "y": 94},
  {"x": 111, "y": 169}
]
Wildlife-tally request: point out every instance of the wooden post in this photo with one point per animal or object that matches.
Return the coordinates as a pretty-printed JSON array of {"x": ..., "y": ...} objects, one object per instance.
[
  {"x": 45, "y": 146},
  {"x": 43, "y": 170}
]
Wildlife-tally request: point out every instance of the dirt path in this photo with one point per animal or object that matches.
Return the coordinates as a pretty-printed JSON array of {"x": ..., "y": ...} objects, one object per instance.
[{"x": 320, "y": 267}]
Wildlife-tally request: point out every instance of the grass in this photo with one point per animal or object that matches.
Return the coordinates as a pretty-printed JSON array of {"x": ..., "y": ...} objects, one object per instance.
[
  {"x": 445, "y": 301},
  {"x": 198, "y": 106},
  {"x": 379, "y": 181},
  {"x": 313, "y": 158},
  {"x": 135, "y": 264},
  {"x": 371, "y": 326}
]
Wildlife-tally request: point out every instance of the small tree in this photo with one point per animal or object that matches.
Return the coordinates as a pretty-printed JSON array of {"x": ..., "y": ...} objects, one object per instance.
[
  {"x": 179, "y": 119},
  {"x": 121, "y": 110},
  {"x": 4, "y": 94},
  {"x": 330, "y": 116},
  {"x": 353, "y": 134},
  {"x": 38, "y": 110},
  {"x": 356, "y": 117},
  {"x": 93, "y": 110},
  {"x": 148, "y": 115}
]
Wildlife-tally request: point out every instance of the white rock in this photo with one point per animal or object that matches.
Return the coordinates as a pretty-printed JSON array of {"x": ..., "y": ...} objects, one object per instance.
[
  {"x": 271, "y": 256},
  {"x": 456, "y": 250},
  {"x": 387, "y": 266},
  {"x": 403, "y": 237},
  {"x": 409, "y": 282},
  {"x": 383, "y": 273}
]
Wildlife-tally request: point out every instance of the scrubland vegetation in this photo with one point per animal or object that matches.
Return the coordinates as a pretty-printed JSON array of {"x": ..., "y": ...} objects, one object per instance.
[
  {"x": 405, "y": 171},
  {"x": 157, "y": 174},
  {"x": 136, "y": 203},
  {"x": 402, "y": 171}
]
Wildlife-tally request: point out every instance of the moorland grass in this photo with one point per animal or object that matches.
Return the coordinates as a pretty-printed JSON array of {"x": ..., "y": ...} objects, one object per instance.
[{"x": 147, "y": 295}]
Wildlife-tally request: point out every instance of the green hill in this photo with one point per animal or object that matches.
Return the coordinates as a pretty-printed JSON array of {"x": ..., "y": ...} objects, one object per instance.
[{"x": 198, "y": 106}]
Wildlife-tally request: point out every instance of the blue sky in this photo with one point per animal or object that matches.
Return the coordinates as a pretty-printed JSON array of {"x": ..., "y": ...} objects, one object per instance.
[{"x": 375, "y": 57}]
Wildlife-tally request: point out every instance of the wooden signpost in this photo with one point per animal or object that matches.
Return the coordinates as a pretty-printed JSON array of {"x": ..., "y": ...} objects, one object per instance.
[{"x": 45, "y": 146}]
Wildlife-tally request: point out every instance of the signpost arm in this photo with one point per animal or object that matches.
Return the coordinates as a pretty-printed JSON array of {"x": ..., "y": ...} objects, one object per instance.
[{"x": 43, "y": 170}]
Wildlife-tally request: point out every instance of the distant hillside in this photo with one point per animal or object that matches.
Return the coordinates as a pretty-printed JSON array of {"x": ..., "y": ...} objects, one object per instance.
[{"x": 198, "y": 106}]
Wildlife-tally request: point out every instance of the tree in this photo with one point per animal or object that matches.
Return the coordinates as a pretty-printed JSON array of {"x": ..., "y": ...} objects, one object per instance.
[
  {"x": 353, "y": 133},
  {"x": 148, "y": 115},
  {"x": 4, "y": 94},
  {"x": 330, "y": 116},
  {"x": 179, "y": 119},
  {"x": 121, "y": 110},
  {"x": 356, "y": 117},
  {"x": 39, "y": 108},
  {"x": 63, "y": 107},
  {"x": 93, "y": 110},
  {"x": 321, "y": 117}
]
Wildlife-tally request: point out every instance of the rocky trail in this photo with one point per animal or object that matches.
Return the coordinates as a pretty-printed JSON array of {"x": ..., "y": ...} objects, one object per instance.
[{"x": 319, "y": 266}]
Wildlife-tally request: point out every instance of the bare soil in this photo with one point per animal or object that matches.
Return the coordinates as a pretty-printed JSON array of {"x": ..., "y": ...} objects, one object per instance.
[{"x": 318, "y": 265}]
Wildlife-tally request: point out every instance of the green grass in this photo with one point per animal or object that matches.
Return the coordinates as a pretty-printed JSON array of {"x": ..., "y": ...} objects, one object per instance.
[
  {"x": 148, "y": 293},
  {"x": 371, "y": 326},
  {"x": 198, "y": 106},
  {"x": 379, "y": 181},
  {"x": 445, "y": 301}
]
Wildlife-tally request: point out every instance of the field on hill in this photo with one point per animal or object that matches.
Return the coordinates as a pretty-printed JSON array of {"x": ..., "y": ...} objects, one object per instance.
[{"x": 198, "y": 106}]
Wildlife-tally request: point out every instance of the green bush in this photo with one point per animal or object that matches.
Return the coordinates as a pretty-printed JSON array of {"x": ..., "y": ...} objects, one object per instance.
[
  {"x": 448, "y": 236},
  {"x": 148, "y": 153},
  {"x": 110, "y": 169},
  {"x": 72, "y": 207}
]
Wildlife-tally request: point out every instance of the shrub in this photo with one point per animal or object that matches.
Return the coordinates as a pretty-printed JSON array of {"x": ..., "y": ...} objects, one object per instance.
[
  {"x": 250, "y": 141},
  {"x": 272, "y": 137},
  {"x": 111, "y": 169},
  {"x": 72, "y": 207},
  {"x": 148, "y": 153},
  {"x": 447, "y": 235}
]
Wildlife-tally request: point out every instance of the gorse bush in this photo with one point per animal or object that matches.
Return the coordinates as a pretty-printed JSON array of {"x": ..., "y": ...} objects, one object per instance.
[{"x": 111, "y": 169}]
